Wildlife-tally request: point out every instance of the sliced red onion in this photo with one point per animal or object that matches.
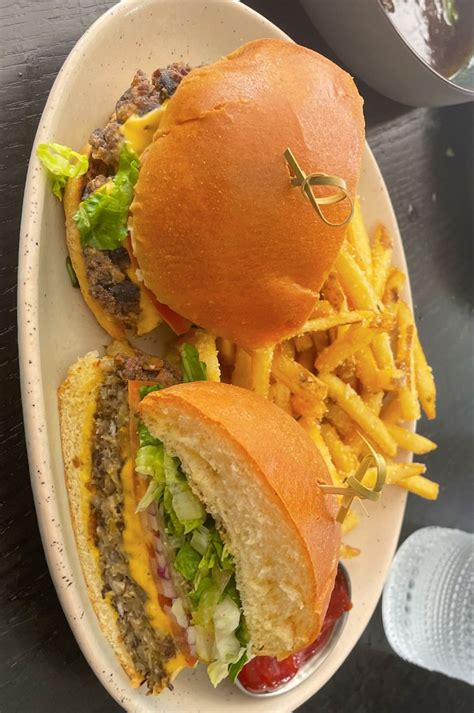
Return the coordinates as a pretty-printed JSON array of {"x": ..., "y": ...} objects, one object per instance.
[
  {"x": 150, "y": 521},
  {"x": 168, "y": 589},
  {"x": 191, "y": 635},
  {"x": 163, "y": 573},
  {"x": 160, "y": 560}
]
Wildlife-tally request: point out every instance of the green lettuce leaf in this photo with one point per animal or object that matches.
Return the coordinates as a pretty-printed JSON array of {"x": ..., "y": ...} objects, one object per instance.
[
  {"x": 208, "y": 601},
  {"x": 149, "y": 461},
  {"x": 200, "y": 539},
  {"x": 153, "y": 494},
  {"x": 236, "y": 668},
  {"x": 61, "y": 163},
  {"x": 193, "y": 368},
  {"x": 172, "y": 524},
  {"x": 145, "y": 438},
  {"x": 187, "y": 561},
  {"x": 102, "y": 217},
  {"x": 145, "y": 390}
]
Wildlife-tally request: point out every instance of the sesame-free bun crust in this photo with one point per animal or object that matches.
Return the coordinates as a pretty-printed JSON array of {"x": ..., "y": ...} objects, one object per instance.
[
  {"x": 257, "y": 473},
  {"x": 220, "y": 234}
]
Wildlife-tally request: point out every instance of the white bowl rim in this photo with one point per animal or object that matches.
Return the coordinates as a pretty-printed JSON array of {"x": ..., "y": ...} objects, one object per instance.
[{"x": 445, "y": 80}]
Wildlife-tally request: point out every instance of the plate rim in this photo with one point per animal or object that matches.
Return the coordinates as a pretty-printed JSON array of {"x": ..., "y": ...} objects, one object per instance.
[{"x": 31, "y": 378}]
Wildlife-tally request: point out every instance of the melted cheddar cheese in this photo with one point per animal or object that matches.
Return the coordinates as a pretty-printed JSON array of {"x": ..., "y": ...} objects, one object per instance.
[{"x": 139, "y": 130}]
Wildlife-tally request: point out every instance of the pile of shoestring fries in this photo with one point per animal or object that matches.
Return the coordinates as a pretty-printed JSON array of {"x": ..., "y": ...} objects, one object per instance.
[{"x": 356, "y": 368}]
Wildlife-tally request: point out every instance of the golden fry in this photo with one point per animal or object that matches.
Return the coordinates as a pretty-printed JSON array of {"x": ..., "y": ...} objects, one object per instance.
[
  {"x": 353, "y": 405},
  {"x": 334, "y": 294},
  {"x": 205, "y": 343},
  {"x": 355, "y": 283},
  {"x": 359, "y": 239},
  {"x": 320, "y": 341},
  {"x": 342, "y": 456},
  {"x": 261, "y": 370},
  {"x": 410, "y": 441},
  {"x": 392, "y": 411},
  {"x": 302, "y": 342},
  {"x": 226, "y": 350},
  {"x": 347, "y": 552},
  {"x": 356, "y": 337},
  {"x": 408, "y": 395},
  {"x": 339, "y": 419},
  {"x": 280, "y": 395},
  {"x": 393, "y": 287},
  {"x": 373, "y": 400},
  {"x": 322, "y": 308},
  {"x": 252, "y": 369},
  {"x": 322, "y": 324},
  {"x": 425, "y": 382},
  {"x": 298, "y": 379},
  {"x": 419, "y": 485},
  {"x": 381, "y": 260},
  {"x": 396, "y": 472},
  {"x": 313, "y": 430},
  {"x": 372, "y": 378},
  {"x": 242, "y": 374},
  {"x": 383, "y": 354},
  {"x": 307, "y": 357}
]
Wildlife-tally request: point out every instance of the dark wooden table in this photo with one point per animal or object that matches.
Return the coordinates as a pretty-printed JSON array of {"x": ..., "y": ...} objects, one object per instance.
[{"x": 426, "y": 158}]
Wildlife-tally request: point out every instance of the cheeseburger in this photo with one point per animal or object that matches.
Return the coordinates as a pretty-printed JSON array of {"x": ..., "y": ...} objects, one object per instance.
[
  {"x": 201, "y": 528},
  {"x": 184, "y": 205}
]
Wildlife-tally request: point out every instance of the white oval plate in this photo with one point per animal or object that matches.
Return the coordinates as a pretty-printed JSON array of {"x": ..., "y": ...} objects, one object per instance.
[{"x": 55, "y": 328}]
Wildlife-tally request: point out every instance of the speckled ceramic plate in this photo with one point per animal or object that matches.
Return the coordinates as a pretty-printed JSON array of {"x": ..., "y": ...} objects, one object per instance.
[{"x": 55, "y": 328}]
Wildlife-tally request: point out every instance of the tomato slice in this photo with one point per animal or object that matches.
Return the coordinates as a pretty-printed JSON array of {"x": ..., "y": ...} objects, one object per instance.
[{"x": 178, "y": 324}]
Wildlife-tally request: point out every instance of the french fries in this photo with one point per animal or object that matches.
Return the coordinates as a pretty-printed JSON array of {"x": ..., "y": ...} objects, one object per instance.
[
  {"x": 310, "y": 391},
  {"x": 205, "y": 343},
  {"x": 252, "y": 369},
  {"x": 354, "y": 282},
  {"x": 381, "y": 260},
  {"x": 410, "y": 441},
  {"x": 405, "y": 359},
  {"x": 352, "y": 404},
  {"x": 355, "y": 338},
  {"x": 425, "y": 383},
  {"x": 322, "y": 324},
  {"x": 353, "y": 374},
  {"x": 342, "y": 455},
  {"x": 359, "y": 240}
]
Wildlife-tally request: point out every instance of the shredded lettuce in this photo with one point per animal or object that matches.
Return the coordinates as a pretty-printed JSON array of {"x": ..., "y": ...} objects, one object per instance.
[
  {"x": 193, "y": 368},
  {"x": 187, "y": 561},
  {"x": 227, "y": 649},
  {"x": 152, "y": 494},
  {"x": 150, "y": 461},
  {"x": 200, "y": 539},
  {"x": 61, "y": 163},
  {"x": 102, "y": 217}
]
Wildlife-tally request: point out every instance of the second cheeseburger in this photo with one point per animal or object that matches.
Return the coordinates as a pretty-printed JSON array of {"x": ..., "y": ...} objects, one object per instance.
[{"x": 220, "y": 233}]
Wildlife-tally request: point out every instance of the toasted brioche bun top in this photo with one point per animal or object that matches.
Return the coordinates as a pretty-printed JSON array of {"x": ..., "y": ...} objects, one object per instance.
[
  {"x": 220, "y": 234},
  {"x": 257, "y": 472}
]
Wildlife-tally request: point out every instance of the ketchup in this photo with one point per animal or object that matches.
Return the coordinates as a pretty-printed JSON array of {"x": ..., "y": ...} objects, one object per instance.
[{"x": 265, "y": 673}]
